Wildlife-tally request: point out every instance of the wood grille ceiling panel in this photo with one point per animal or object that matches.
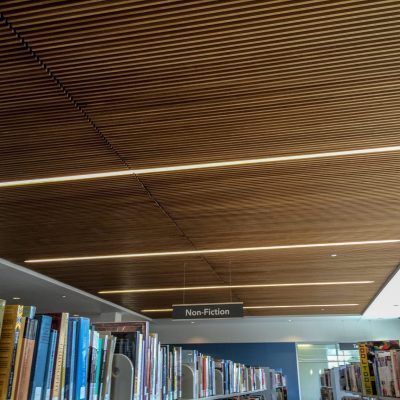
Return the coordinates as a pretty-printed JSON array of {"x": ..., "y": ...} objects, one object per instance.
[{"x": 172, "y": 83}]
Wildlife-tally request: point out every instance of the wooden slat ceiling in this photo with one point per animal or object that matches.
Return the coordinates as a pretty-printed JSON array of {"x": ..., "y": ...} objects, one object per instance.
[{"x": 94, "y": 86}]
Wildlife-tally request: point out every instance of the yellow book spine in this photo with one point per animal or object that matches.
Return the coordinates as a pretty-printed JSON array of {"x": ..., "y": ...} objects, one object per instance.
[
  {"x": 11, "y": 330},
  {"x": 56, "y": 392},
  {"x": 367, "y": 378}
]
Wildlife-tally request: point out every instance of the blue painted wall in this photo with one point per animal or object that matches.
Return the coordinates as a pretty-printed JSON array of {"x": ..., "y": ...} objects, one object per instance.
[{"x": 274, "y": 355}]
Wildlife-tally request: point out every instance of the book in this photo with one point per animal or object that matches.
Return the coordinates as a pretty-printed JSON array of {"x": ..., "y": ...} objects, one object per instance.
[
  {"x": 25, "y": 367},
  {"x": 12, "y": 385},
  {"x": 106, "y": 388},
  {"x": 2, "y": 308},
  {"x": 98, "y": 368},
  {"x": 105, "y": 349},
  {"x": 70, "y": 360},
  {"x": 40, "y": 357},
  {"x": 12, "y": 321},
  {"x": 396, "y": 370},
  {"x": 82, "y": 358},
  {"x": 51, "y": 358},
  {"x": 93, "y": 355},
  {"x": 60, "y": 324}
]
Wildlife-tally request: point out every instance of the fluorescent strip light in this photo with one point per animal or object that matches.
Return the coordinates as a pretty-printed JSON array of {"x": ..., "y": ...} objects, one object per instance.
[
  {"x": 156, "y": 310},
  {"x": 217, "y": 287},
  {"x": 301, "y": 306},
  {"x": 66, "y": 178},
  {"x": 189, "y": 167},
  {"x": 211, "y": 251}
]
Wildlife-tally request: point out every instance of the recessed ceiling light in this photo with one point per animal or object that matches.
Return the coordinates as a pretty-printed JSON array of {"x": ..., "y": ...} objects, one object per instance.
[
  {"x": 189, "y": 167},
  {"x": 333, "y": 255},
  {"x": 289, "y": 320},
  {"x": 212, "y": 251},
  {"x": 221, "y": 287},
  {"x": 157, "y": 310},
  {"x": 64, "y": 296},
  {"x": 76, "y": 315},
  {"x": 192, "y": 322},
  {"x": 16, "y": 298}
]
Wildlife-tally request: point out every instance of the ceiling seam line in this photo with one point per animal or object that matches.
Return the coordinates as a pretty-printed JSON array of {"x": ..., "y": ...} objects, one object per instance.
[{"x": 79, "y": 108}]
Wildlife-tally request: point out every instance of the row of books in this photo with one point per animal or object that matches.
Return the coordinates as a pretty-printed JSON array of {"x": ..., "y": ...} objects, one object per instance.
[
  {"x": 232, "y": 377},
  {"x": 62, "y": 357},
  {"x": 380, "y": 368},
  {"x": 59, "y": 357},
  {"x": 52, "y": 356}
]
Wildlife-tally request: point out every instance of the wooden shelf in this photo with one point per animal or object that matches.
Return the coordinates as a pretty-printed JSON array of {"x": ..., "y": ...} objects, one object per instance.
[{"x": 228, "y": 395}]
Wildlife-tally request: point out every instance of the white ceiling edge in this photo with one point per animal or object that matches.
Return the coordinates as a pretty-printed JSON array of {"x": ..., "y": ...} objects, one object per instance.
[
  {"x": 51, "y": 295},
  {"x": 386, "y": 303}
]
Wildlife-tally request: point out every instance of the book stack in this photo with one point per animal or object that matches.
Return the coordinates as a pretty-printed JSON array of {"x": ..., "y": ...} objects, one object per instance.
[
  {"x": 380, "y": 368},
  {"x": 351, "y": 377},
  {"x": 52, "y": 356}
]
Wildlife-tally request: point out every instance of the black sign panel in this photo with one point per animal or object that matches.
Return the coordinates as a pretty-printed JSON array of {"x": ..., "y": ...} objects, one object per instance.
[
  {"x": 348, "y": 346},
  {"x": 207, "y": 311}
]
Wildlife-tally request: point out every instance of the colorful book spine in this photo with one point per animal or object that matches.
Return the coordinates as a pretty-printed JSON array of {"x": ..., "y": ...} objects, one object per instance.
[
  {"x": 40, "y": 357},
  {"x": 98, "y": 368},
  {"x": 12, "y": 383},
  {"x": 12, "y": 321},
  {"x": 51, "y": 357},
  {"x": 25, "y": 368},
  {"x": 94, "y": 345},
  {"x": 60, "y": 323},
  {"x": 82, "y": 358},
  {"x": 70, "y": 361}
]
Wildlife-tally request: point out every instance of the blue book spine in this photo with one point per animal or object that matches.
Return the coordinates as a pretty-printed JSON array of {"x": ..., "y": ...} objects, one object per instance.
[
  {"x": 40, "y": 356},
  {"x": 70, "y": 364},
  {"x": 50, "y": 365},
  {"x": 82, "y": 358}
]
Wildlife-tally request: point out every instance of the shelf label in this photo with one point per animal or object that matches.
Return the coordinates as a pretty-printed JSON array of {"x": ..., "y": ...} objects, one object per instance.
[
  {"x": 207, "y": 311},
  {"x": 348, "y": 346}
]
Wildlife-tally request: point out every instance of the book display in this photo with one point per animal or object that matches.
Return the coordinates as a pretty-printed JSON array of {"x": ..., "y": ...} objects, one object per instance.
[
  {"x": 377, "y": 376},
  {"x": 60, "y": 357}
]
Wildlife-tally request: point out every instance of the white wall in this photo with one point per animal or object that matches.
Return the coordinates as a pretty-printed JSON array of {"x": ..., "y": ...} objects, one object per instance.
[{"x": 253, "y": 329}]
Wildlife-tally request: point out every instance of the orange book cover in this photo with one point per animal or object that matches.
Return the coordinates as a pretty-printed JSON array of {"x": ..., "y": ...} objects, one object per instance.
[{"x": 25, "y": 366}]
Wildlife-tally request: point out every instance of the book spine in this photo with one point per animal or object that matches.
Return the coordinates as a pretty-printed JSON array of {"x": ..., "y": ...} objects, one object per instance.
[
  {"x": 69, "y": 368},
  {"x": 46, "y": 393},
  {"x": 26, "y": 361},
  {"x": 8, "y": 345},
  {"x": 368, "y": 377},
  {"x": 82, "y": 359},
  {"x": 40, "y": 357},
  {"x": 93, "y": 364},
  {"x": 60, "y": 357},
  {"x": 98, "y": 369},
  {"x": 103, "y": 365}
]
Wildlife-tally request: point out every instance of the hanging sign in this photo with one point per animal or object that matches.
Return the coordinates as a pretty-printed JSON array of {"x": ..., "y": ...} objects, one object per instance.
[
  {"x": 348, "y": 346},
  {"x": 207, "y": 311}
]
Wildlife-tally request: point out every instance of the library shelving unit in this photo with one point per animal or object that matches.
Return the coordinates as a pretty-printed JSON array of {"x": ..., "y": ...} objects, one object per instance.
[{"x": 80, "y": 347}]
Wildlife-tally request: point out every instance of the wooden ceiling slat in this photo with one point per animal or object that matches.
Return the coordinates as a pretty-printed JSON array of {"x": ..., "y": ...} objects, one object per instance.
[{"x": 172, "y": 83}]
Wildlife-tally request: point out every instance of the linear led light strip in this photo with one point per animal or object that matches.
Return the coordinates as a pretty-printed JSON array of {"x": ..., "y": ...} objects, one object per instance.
[
  {"x": 177, "y": 168},
  {"x": 210, "y": 251},
  {"x": 156, "y": 310},
  {"x": 216, "y": 287}
]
